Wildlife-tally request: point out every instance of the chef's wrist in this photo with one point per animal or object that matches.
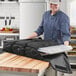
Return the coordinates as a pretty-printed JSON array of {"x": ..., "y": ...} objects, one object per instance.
[
  {"x": 66, "y": 43},
  {"x": 33, "y": 35}
]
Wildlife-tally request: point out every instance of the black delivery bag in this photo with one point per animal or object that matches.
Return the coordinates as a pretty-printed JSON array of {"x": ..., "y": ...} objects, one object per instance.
[{"x": 28, "y": 48}]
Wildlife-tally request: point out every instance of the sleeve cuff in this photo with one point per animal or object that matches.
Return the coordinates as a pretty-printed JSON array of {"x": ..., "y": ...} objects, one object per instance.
[
  {"x": 37, "y": 33},
  {"x": 66, "y": 39}
]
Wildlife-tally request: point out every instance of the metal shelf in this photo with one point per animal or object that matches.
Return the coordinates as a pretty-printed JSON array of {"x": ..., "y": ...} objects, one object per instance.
[
  {"x": 7, "y": 34},
  {"x": 74, "y": 47},
  {"x": 73, "y": 35},
  {"x": 71, "y": 55},
  {"x": 7, "y": 2},
  {"x": 72, "y": 51}
]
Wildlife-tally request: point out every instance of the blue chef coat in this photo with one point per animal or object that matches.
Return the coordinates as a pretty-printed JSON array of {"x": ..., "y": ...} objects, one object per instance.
[{"x": 55, "y": 27}]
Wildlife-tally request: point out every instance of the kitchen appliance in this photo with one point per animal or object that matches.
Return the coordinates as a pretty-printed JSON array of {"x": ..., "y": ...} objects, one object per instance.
[{"x": 31, "y": 12}]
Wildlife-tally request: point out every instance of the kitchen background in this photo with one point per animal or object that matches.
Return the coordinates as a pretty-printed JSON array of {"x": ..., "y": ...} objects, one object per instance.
[
  {"x": 9, "y": 10},
  {"x": 9, "y": 18},
  {"x": 25, "y": 15}
]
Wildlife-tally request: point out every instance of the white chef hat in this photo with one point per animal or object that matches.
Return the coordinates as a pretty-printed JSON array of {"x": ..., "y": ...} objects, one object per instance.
[{"x": 54, "y": 1}]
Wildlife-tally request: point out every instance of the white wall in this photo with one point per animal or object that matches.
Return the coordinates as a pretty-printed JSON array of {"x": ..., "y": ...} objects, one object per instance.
[
  {"x": 64, "y": 6},
  {"x": 30, "y": 17},
  {"x": 9, "y": 9}
]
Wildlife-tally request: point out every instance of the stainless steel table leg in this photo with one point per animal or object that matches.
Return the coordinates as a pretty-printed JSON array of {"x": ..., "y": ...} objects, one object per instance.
[{"x": 50, "y": 72}]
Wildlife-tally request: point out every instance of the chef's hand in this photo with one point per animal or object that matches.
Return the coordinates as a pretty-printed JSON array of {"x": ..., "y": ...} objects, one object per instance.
[{"x": 66, "y": 43}]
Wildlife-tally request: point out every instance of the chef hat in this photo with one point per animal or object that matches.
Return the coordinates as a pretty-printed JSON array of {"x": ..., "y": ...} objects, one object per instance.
[{"x": 54, "y": 1}]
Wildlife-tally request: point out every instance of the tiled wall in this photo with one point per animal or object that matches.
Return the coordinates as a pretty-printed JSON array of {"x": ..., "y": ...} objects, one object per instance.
[{"x": 8, "y": 10}]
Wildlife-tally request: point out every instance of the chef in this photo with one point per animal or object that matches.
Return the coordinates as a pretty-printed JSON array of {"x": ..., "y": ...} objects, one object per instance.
[{"x": 55, "y": 25}]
